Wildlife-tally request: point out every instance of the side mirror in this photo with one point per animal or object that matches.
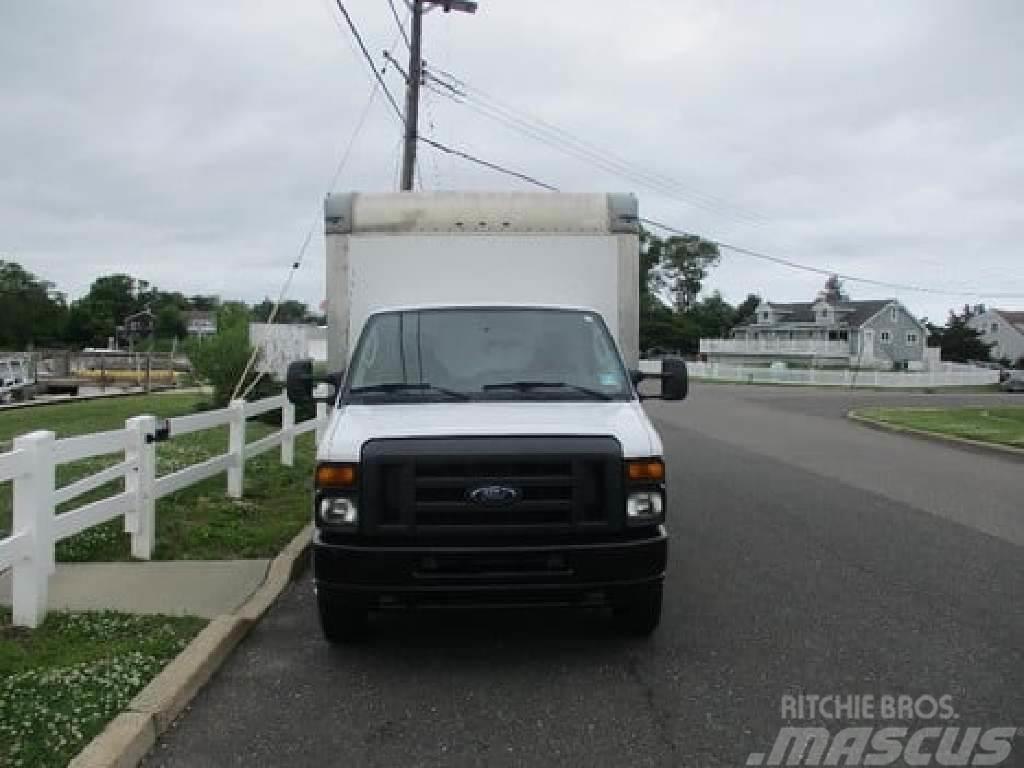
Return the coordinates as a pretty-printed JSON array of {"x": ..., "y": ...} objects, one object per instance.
[
  {"x": 675, "y": 381},
  {"x": 301, "y": 380},
  {"x": 299, "y": 383}
]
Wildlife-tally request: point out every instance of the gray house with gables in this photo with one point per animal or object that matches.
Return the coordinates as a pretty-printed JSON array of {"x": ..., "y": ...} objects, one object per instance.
[{"x": 832, "y": 331}]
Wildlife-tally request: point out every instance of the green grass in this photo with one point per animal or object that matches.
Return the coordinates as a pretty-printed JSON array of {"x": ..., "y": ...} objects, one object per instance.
[
  {"x": 1003, "y": 425},
  {"x": 62, "y": 683},
  {"x": 199, "y": 522}
]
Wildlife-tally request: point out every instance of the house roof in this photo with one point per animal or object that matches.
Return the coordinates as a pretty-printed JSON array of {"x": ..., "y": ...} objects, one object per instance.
[
  {"x": 1014, "y": 318},
  {"x": 854, "y": 313}
]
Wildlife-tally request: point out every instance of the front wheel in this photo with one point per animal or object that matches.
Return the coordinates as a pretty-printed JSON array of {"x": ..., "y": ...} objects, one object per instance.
[
  {"x": 638, "y": 610},
  {"x": 342, "y": 619}
]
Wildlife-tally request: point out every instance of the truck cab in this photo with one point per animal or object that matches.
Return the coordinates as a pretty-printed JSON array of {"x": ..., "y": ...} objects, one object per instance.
[
  {"x": 486, "y": 454},
  {"x": 486, "y": 451}
]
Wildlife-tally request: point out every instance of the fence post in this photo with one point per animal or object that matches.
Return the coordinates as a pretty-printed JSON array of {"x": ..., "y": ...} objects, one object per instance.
[
  {"x": 33, "y": 514},
  {"x": 288, "y": 433},
  {"x": 321, "y": 391},
  {"x": 236, "y": 448},
  {"x": 141, "y": 521}
]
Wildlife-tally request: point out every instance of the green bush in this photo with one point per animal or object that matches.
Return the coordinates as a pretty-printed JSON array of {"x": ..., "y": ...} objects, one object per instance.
[{"x": 220, "y": 359}]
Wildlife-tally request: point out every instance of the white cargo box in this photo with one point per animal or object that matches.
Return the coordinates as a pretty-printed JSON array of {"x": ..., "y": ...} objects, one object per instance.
[{"x": 455, "y": 248}]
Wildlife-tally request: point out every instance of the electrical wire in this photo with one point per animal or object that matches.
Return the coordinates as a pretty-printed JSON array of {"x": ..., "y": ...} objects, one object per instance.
[
  {"x": 369, "y": 60},
  {"x": 378, "y": 84},
  {"x": 401, "y": 27},
  {"x": 829, "y": 272},
  {"x": 485, "y": 163},
  {"x": 523, "y": 122}
]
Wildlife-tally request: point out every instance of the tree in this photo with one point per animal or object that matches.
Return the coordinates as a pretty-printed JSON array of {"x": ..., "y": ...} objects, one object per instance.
[
  {"x": 672, "y": 271},
  {"x": 958, "y": 340},
  {"x": 677, "y": 266},
  {"x": 746, "y": 309},
  {"x": 290, "y": 311},
  {"x": 170, "y": 322},
  {"x": 220, "y": 359},
  {"x": 31, "y": 311}
]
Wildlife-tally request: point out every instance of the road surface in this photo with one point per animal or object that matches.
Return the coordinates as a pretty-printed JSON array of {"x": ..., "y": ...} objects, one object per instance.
[{"x": 809, "y": 555}]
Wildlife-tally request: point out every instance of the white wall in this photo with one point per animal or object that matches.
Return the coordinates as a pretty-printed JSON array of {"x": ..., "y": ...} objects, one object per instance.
[{"x": 281, "y": 344}]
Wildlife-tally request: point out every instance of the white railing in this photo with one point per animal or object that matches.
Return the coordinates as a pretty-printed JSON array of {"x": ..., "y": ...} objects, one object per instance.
[
  {"x": 32, "y": 465},
  {"x": 822, "y": 347},
  {"x": 843, "y": 378}
]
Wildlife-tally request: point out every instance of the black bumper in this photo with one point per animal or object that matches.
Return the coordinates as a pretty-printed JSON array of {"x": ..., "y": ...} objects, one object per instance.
[{"x": 498, "y": 573}]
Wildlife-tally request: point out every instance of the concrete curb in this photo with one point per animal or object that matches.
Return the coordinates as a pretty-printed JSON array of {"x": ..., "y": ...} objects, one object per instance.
[
  {"x": 128, "y": 737},
  {"x": 962, "y": 442}
]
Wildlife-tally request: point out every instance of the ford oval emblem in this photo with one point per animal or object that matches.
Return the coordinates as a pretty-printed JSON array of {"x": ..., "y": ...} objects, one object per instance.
[{"x": 494, "y": 495}]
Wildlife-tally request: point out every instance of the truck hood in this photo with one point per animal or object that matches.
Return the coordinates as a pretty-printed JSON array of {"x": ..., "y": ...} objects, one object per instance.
[{"x": 353, "y": 425}]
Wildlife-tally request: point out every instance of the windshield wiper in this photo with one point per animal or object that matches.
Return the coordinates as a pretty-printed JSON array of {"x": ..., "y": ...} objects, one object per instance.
[
  {"x": 525, "y": 386},
  {"x": 399, "y": 386}
]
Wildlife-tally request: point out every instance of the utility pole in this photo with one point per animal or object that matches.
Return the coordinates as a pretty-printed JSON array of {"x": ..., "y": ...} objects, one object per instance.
[{"x": 412, "y": 89}]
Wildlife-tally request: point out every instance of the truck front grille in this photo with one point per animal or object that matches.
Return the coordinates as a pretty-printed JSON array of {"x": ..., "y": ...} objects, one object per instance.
[{"x": 427, "y": 485}]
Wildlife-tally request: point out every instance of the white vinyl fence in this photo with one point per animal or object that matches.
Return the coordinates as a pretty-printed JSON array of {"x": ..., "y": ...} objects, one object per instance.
[
  {"x": 32, "y": 464},
  {"x": 960, "y": 377}
]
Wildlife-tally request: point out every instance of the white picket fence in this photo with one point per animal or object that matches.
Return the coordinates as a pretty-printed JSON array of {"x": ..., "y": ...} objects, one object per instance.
[{"x": 32, "y": 464}]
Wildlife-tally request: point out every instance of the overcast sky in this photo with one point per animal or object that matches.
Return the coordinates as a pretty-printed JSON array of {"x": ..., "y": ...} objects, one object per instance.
[{"x": 190, "y": 143}]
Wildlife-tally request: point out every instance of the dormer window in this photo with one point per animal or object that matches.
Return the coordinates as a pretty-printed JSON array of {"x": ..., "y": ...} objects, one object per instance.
[{"x": 893, "y": 314}]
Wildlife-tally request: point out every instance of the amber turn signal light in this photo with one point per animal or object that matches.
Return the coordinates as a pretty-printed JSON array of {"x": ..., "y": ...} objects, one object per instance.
[
  {"x": 645, "y": 470},
  {"x": 336, "y": 476}
]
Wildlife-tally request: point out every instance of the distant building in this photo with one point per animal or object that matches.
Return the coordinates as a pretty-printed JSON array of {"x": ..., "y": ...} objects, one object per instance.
[
  {"x": 830, "y": 332},
  {"x": 199, "y": 323},
  {"x": 139, "y": 325},
  {"x": 1002, "y": 328},
  {"x": 280, "y": 344}
]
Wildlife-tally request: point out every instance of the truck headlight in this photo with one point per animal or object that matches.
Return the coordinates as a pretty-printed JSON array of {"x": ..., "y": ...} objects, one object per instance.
[
  {"x": 645, "y": 507},
  {"x": 339, "y": 512}
]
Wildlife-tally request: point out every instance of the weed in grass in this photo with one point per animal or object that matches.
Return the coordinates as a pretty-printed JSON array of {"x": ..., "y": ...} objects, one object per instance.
[{"x": 61, "y": 683}]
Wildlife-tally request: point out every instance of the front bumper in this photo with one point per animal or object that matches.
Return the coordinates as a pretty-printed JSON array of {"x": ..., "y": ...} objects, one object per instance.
[{"x": 496, "y": 573}]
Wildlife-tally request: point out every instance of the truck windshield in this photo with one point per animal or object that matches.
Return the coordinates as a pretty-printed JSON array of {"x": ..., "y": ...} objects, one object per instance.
[{"x": 439, "y": 355}]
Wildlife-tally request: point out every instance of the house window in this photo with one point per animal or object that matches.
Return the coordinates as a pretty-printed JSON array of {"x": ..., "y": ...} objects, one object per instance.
[
  {"x": 764, "y": 316},
  {"x": 844, "y": 335},
  {"x": 886, "y": 337},
  {"x": 995, "y": 327},
  {"x": 911, "y": 338},
  {"x": 892, "y": 314}
]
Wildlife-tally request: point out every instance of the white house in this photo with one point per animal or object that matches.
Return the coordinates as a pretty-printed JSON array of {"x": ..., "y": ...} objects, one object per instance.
[
  {"x": 830, "y": 332},
  {"x": 1002, "y": 328}
]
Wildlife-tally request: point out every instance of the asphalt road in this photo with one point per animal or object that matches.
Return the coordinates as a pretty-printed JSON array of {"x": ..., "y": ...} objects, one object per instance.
[{"x": 809, "y": 555}]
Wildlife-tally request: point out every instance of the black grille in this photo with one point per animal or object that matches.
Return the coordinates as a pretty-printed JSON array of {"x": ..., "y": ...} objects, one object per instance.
[{"x": 424, "y": 485}]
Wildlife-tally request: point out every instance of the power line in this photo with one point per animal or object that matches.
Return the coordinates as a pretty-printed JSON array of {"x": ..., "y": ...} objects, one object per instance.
[
  {"x": 369, "y": 60},
  {"x": 829, "y": 272},
  {"x": 398, "y": 21},
  {"x": 459, "y": 91},
  {"x": 486, "y": 164}
]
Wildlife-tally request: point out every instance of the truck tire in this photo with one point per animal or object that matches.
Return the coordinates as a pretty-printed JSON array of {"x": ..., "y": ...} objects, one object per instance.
[
  {"x": 637, "y": 611},
  {"x": 342, "y": 619}
]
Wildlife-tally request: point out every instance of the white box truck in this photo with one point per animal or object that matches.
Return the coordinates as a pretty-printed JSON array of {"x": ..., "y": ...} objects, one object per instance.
[{"x": 486, "y": 441}]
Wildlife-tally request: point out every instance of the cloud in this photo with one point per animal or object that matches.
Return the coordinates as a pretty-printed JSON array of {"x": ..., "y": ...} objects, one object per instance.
[{"x": 190, "y": 143}]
